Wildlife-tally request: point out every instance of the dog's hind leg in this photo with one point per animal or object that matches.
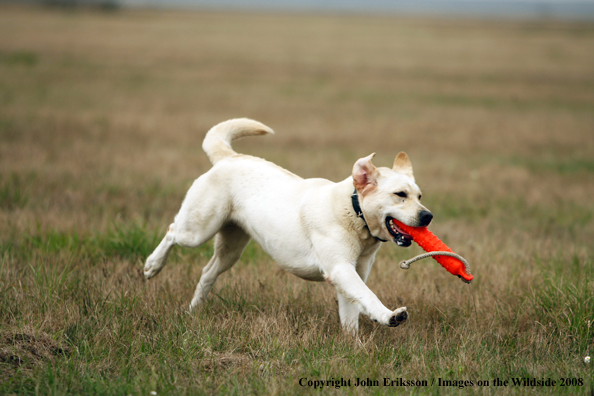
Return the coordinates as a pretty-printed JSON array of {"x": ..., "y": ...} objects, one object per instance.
[
  {"x": 181, "y": 233},
  {"x": 200, "y": 217},
  {"x": 229, "y": 245}
]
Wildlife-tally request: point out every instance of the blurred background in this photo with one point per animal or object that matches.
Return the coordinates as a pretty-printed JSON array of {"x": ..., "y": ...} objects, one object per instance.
[
  {"x": 103, "y": 108},
  {"x": 574, "y": 9},
  {"x": 502, "y": 100},
  {"x": 582, "y": 9}
]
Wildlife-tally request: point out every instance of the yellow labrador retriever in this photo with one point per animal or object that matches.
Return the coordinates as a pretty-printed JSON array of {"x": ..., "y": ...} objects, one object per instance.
[{"x": 314, "y": 228}]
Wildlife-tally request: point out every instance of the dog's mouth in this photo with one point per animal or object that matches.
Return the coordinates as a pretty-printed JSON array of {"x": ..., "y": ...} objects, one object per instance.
[{"x": 400, "y": 237}]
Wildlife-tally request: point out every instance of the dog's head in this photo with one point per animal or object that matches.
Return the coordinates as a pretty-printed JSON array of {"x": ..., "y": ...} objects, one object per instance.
[{"x": 386, "y": 194}]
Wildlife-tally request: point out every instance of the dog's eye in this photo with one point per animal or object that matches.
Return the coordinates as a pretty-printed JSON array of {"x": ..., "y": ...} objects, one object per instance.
[
  {"x": 420, "y": 196},
  {"x": 401, "y": 194}
]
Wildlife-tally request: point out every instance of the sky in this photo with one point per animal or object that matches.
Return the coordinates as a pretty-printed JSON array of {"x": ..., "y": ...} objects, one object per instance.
[{"x": 572, "y": 9}]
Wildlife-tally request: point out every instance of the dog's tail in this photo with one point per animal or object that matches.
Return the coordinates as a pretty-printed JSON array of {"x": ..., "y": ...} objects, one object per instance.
[{"x": 217, "y": 143}]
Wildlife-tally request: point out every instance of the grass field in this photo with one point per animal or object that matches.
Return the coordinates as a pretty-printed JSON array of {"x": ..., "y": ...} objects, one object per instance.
[{"x": 102, "y": 117}]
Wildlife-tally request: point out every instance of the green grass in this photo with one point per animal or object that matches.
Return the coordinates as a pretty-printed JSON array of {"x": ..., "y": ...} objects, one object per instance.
[
  {"x": 15, "y": 58},
  {"x": 13, "y": 192},
  {"x": 129, "y": 242},
  {"x": 565, "y": 166},
  {"x": 115, "y": 341}
]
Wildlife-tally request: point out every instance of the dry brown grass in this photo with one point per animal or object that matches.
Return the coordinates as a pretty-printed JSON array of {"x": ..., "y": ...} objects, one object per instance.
[{"x": 101, "y": 122}]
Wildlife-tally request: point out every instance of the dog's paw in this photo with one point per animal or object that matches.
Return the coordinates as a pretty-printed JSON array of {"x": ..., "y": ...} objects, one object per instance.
[
  {"x": 195, "y": 306},
  {"x": 398, "y": 317},
  {"x": 151, "y": 269}
]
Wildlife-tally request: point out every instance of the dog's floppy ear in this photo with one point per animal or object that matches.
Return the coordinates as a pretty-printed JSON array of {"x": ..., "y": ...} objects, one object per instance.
[
  {"x": 364, "y": 173},
  {"x": 402, "y": 165}
]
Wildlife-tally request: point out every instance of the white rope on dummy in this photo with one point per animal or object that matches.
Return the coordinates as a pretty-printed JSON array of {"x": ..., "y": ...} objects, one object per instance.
[{"x": 405, "y": 264}]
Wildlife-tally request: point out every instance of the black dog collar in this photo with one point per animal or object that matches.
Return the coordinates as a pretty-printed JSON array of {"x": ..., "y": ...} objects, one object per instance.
[{"x": 359, "y": 212}]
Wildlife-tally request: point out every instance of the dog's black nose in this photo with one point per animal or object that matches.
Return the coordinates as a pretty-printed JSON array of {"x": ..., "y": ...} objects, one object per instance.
[{"x": 425, "y": 218}]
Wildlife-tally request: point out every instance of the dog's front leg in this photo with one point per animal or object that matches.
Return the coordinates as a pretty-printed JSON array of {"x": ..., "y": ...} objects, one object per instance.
[
  {"x": 349, "y": 313},
  {"x": 352, "y": 290}
]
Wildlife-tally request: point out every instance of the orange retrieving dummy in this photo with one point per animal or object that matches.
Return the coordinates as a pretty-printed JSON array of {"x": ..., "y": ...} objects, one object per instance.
[{"x": 430, "y": 243}]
